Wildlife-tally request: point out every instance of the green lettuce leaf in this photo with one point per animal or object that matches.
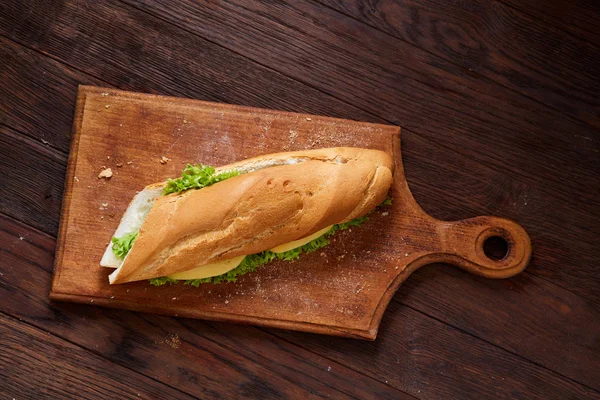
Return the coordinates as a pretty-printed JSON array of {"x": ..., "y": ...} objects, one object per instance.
[
  {"x": 197, "y": 177},
  {"x": 122, "y": 245},
  {"x": 249, "y": 263},
  {"x": 346, "y": 225},
  {"x": 162, "y": 280},
  {"x": 253, "y": 261}
]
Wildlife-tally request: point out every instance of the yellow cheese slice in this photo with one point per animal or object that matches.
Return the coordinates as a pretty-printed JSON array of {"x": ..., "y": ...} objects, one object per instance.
[
  {"x": 282, "y": 248},
  {"x": 222, "y": 267},
  {"x": 208, "y": 270}
]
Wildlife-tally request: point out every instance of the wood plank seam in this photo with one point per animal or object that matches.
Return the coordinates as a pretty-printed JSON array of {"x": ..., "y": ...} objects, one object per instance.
[
  {"x": 449, "y": 60},
  {"x": 270, "y": 332},
  {"x": 40, "y": 328}
]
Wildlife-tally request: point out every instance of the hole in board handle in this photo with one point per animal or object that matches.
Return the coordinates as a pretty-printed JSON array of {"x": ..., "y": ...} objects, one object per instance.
[{"x": 496, "y": 248}]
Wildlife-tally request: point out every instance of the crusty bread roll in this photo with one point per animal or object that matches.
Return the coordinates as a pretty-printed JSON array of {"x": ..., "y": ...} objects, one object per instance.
[{"x": 278, "y": 198}]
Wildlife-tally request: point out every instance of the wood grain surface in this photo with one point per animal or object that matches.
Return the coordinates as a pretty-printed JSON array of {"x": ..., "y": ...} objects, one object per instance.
[
  {"x": 484, "y": 99},
  {"x": 550, "y": 67},
  {"x": 68, "y": 371}
]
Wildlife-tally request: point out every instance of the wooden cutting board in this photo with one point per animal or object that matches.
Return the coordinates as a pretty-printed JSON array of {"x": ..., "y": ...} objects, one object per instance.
[{"x": 342, "y": 290}]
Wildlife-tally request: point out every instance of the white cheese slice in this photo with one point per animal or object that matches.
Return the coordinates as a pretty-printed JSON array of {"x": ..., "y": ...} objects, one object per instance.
[
  {"x": 209, "y": 270},
  {"x": 282, "y": 248}
]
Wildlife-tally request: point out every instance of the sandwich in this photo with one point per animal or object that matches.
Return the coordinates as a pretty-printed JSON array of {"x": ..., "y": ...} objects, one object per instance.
[{"x": 215, "y": 224}]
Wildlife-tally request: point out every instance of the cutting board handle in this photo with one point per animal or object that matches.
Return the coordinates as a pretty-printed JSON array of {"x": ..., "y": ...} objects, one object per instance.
[{"x": 465, "y": 244}]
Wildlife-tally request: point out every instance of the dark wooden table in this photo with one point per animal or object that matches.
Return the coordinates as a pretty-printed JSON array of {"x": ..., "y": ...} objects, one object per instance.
[{"x": 499, "y": 104}]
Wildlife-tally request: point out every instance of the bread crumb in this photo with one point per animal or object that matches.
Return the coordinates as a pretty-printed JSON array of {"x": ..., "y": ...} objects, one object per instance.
[
  {"x": 164, "y": 160},
  {"x": 105, "y": 173},
  {"x": 308, "y": 119},
  {"x": 76, "y": 179},
  {"x": 293, "y": 135},
  {"x": 104, "y": 204},
  {"x": 120, "y": 164},
  {"x": 107, "y": 106},
  {"x": 385, "y": 214},
  {"x": 108, "y": 157},
  {"x": 226, "y": 301},
  {"x": 129, "y": 162},
  {"x": 104, "y": 94},
  {"x": 102, "y": 217},
  {"x": 173, "y": 340}
]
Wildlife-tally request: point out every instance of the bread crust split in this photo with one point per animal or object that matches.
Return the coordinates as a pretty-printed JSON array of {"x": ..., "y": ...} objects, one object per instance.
[{"x": 277, "y": 199}]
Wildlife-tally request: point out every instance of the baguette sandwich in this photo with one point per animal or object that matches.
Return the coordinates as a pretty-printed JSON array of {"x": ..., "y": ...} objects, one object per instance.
[{"x": 214, "y": 224}]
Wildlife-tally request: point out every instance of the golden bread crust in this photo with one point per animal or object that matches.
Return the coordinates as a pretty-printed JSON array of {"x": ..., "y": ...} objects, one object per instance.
[{"x": 258, "y": 210}]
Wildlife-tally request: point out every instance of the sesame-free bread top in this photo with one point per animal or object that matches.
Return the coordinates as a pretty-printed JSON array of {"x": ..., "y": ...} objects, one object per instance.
[{"x": 278, "y": 198}]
